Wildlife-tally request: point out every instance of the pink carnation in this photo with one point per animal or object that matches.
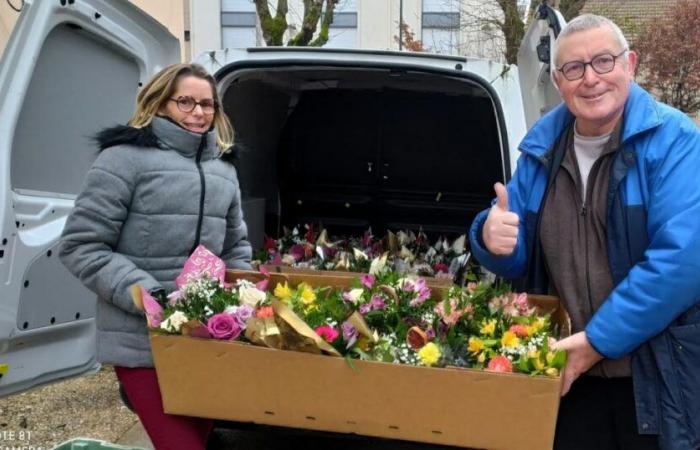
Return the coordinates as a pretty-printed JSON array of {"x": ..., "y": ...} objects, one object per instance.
[
  {"x": 327, "y": 332},
  {"x": 500, "y": 364},
  {"x": 519, "y": 330}
]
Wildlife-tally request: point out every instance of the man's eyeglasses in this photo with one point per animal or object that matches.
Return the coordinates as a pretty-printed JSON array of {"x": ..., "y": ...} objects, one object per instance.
[
  {"x": 601, "y": 64},
  {"x": 188, "y": 104}
]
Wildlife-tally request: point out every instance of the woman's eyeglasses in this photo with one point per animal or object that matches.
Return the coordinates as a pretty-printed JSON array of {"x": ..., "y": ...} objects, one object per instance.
[{"x": 188, "y": 104}]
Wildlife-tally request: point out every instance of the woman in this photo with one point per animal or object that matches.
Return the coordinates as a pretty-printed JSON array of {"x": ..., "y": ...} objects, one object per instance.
[{"x": 160, "y": 187}]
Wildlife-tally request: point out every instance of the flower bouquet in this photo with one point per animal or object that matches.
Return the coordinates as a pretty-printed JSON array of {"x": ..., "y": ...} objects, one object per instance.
[{"x": 204, "y": 304}]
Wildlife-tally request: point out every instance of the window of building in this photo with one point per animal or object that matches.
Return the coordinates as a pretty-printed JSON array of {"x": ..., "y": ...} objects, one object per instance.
[
  {"x": 440, "y": 25},
  {"x": 239, "y": 24},
  {"x": 343, "y": 31}
]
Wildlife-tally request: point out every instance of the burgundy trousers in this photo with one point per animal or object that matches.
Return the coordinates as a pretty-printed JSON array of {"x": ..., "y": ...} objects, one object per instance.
[{"x": 167, "y": 431}]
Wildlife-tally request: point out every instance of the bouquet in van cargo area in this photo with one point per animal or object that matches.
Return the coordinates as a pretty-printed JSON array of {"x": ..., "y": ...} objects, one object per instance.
[{"x": 407, "y": 252}]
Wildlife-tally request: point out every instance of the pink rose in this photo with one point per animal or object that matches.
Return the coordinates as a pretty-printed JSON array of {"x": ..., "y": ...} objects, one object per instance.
[{"x": 224, "y": 326}]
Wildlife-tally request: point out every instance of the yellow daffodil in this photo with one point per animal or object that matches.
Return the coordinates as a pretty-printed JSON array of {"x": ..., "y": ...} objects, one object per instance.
[
  {"x": 475, "y": 345},
  {"x": 534, "y": 354},
  {"x": 536, "y": 326},
  {"x": 307, "y": 294},
  {"x": 510, "y": 339},
  {"x": 550, "y": 357},
  {"x": 283, "y": 292},
  {"x": 488, "y": 328},
  {"x": 552, "y": 372},
  {"x": 430, "y": 354}
]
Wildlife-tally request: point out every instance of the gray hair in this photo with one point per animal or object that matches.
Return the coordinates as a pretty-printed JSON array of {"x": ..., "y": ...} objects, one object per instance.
[{"x": 587, "y": 22}]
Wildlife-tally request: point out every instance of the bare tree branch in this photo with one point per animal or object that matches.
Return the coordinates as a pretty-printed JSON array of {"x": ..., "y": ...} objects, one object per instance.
[
  {"x": 326, "y": 22},
  {"x": 272, "y": 28},
  {"x": 668, "y": 49},
  {"x": 312, "y": 13}
]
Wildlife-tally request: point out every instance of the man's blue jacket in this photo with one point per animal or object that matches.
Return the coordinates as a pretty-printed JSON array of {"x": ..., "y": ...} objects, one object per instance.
[{"x": 653, "y": 237}]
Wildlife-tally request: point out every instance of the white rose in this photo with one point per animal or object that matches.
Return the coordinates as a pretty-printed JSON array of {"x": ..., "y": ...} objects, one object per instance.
[
  {"x": 250, "y": 295},
  {"x": 173, "y": 323}
]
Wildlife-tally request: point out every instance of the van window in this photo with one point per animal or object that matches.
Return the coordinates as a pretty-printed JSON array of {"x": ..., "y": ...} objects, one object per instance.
[{"x": 70, "y": 98}]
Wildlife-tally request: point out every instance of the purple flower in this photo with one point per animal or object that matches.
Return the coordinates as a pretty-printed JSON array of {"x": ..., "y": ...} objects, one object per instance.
[
  {"x": 223, "y": 326},
  {"x": 349, "y": 334},
  {"x": 365, "y": 308},
  {"x": 367, "y": 281},
  {"x": 377, "y": 302},
  {"x": 243, "y": 313},
  {"x": 407, "y": 286}
]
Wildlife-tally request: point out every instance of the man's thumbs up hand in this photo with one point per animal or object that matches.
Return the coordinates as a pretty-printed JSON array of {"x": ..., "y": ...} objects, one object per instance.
[
  {"x": 501, "y": 196},
  {"x": 500, "y": 232}
]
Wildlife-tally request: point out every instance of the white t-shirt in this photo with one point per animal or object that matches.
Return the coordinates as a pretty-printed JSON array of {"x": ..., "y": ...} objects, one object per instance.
[{"x": 588, "y": 149}]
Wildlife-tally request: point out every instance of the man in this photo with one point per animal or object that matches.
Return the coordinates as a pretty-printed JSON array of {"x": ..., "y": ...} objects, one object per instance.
[{"x": 604, "y": 211}]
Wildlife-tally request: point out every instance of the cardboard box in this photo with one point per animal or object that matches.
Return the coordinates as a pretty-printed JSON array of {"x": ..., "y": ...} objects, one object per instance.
[
  {"x": 452, "y": 406},
  {"x": 463, "y": 407}
]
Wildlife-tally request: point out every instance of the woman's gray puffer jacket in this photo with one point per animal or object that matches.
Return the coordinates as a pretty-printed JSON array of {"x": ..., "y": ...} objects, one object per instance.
[{"x": 152, "y": 195}]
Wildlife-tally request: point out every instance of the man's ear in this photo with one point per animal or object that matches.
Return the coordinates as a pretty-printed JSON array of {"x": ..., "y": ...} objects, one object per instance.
[
  {"x": 554, "y": 76},
  {"x": 632, "y": 63}
]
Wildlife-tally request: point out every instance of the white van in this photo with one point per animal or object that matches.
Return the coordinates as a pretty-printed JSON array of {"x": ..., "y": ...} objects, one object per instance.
[{"x": 349, "y": 138}]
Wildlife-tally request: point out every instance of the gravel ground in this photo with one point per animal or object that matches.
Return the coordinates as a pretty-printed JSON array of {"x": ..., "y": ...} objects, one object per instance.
[{"x": 87, "y": 406}]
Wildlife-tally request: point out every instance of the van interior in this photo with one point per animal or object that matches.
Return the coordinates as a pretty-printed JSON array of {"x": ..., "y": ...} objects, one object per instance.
[{"x": 354, "y": 148}]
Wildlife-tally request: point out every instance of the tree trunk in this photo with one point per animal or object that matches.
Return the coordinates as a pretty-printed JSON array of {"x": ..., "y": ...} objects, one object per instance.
[
  {"x": 513, "y": 29},
  {"x": 312, "y": 13},
  {"x": 326, "y": 22},
  {"x": 273, "y": 28}
]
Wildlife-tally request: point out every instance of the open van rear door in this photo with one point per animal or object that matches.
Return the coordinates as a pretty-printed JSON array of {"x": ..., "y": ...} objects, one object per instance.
[
  {"x": 536, "y": 86},
  {"x": 70, "y": 68}
]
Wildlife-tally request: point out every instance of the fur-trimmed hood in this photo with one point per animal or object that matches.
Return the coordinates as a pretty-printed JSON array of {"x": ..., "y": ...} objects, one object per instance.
[{"x": 146, "y": 137}]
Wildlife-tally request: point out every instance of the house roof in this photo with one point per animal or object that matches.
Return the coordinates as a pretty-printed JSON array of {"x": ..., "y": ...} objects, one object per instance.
[{"x": 630, "y": 15}]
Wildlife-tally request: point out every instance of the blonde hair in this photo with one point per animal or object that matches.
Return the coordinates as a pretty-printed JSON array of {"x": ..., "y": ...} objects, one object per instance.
[{"x": 160, "y": 89}]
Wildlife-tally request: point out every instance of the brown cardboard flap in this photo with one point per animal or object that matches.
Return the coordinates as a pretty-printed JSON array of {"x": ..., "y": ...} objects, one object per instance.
[{"x": 470, "y": 408}]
